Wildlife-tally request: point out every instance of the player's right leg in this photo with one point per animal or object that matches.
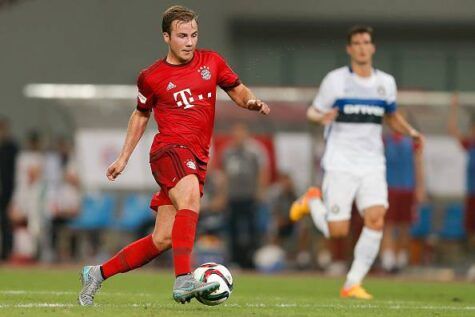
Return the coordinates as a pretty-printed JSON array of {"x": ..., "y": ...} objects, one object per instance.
[
  {"x": 133, "y": 256},
  {"x": 339, "y": 189},
  {"x": 301, "y": 207},
  {"x": 311, "y": 202}
]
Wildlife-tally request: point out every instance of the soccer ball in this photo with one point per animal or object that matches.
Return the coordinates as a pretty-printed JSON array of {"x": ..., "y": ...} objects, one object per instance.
[{"x": 213, "y": 272}]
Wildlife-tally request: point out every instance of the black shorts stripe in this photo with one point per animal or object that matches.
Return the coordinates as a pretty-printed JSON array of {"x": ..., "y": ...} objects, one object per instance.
[
  {"x": 180, "y": 165},
  {"x": 180, "y": 171}
]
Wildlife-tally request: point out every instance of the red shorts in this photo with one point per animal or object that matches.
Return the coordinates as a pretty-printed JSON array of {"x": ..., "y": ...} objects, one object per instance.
[
  {"x": 170, "y": 164},
  {"x": 401, "y": 204},
  {"x": 470, "y": 213}
]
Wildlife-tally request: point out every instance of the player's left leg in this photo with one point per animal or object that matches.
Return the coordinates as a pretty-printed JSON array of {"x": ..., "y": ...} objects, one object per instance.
[
  {"x": 186, "y": 199},
  {"x": 133, "y": 256},
  {"x": 372, "y": 200},
  {"x": 366, "y": 251}
]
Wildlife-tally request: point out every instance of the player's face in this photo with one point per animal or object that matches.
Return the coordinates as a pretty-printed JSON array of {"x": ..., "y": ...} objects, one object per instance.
[
  {"x": 361, "y": 49},
  {"x": 182, "y": 40}
]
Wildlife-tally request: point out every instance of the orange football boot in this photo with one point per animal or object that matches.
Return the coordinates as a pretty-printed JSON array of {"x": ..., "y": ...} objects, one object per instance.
[
  {"x": 356, "y": 291},
  {"x": 300, "y": 207}
]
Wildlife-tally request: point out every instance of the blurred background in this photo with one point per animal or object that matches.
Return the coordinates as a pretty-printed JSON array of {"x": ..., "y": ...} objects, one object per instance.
[{"x": 67, "y": 81}]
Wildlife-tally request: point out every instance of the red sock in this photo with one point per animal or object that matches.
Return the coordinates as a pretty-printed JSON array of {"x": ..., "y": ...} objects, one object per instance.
[
  {"x": 134, "y": 255},
  {"x": 183, "y": 238}
]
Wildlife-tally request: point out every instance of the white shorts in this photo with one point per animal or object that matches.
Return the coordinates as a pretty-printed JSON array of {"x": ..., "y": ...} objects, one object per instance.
[{"x": 340, "y": 189}]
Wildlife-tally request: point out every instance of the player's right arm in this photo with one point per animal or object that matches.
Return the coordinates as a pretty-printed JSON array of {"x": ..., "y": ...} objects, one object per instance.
[
  {"x": 321, "y": 111},
  {"x": 136, "y": 128},
  {"x": 137, "y": 124}
]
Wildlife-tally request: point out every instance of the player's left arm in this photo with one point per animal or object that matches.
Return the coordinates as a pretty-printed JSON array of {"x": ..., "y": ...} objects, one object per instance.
[
  {"x": 420, "y": 188},
  {"x": 395, "y": 120},
  {"x": 397, "y": 123},
  {"x": 244, "y": 98}
]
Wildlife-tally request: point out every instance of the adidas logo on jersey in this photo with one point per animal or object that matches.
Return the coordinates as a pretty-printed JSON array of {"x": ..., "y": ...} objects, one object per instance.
[{"x": 170, "y": 86}]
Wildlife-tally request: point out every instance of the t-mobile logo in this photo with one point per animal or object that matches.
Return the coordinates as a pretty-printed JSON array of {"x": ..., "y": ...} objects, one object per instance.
[{"x": 183, "y": 97}]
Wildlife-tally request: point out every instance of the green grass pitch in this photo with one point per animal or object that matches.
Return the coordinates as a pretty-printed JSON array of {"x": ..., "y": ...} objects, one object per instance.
[{"x": 52, "y": 292}]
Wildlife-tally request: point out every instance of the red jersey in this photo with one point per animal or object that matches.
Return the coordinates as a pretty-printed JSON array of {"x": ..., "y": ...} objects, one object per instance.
[{"x": 183, "y": 99}]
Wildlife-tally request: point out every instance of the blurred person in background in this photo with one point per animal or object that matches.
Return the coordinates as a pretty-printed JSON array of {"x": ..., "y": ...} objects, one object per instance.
[
  {"x": 64, "y": 199},
  {"x": 279, "y": 246},
  {"x": 351, "y": 104},
  {"x": 8, "y": 156},
  {"x": 213, "y": 202},
  {"x": 467, "y": 141},
  {"x": 281, "y": 195},
  {"x": 406, "y": 189},
  {"x": 27, "y": 210},
  {"x": 244, "y": 164},
  {"x": 180, "y": 89},
  {"x": 211, "y": 232}
]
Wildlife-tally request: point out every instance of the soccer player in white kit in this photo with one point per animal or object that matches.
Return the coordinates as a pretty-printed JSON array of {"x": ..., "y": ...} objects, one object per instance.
[{"x": 351, "y": 103}]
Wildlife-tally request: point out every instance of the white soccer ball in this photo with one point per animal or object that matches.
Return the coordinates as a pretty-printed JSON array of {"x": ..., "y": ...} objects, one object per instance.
[{"x": 213, "y": 272}]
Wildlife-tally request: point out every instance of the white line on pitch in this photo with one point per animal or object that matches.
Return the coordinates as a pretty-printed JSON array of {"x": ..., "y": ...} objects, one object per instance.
[
  {"x": 249, "y": 305},
  {"x": 61, "y": 293}
]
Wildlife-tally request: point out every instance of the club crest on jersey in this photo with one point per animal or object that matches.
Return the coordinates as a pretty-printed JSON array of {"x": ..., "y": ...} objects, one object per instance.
[
  {"x": 190, "y": 164},
  {"x": 381, "y": 91},
  {"x": 335, "y": 209},
  {"x": 205, "y": 72}
]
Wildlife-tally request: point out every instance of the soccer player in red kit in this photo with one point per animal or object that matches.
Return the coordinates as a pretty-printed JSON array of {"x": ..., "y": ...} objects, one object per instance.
[{"x": 181, "y": 91}]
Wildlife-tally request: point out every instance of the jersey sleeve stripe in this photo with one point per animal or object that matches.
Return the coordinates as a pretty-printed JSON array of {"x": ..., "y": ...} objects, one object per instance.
[
  {"x": 142, "y": 109},
  {"x": 235, "y": 84},
  {"x": 391, "y": 107}
]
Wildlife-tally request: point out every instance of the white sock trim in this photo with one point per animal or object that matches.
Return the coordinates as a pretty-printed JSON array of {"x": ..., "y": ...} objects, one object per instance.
[{"x": 371, "y": 233}]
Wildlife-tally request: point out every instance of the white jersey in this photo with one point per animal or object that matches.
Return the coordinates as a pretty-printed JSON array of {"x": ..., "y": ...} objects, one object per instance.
[{"x": 354, "y": 140}]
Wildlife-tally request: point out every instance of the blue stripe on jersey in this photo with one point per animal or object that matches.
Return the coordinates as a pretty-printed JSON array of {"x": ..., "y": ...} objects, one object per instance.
[
  {"x": 340, "y": 103},
  {"x": 391, "y": 107}
]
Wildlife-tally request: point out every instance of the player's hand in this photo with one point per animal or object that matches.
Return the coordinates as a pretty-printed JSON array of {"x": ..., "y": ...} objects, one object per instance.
[
  {"x": 115, "y": 169},
  {"x": 420, "y": 194},
  {"x": 258, "y": 105},
  {"x": 418, "y": 138},
  {"x": 329, "y": 116}
]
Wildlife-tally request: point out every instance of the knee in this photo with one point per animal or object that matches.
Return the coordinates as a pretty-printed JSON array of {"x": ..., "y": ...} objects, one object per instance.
[
  {"x": 190, "y": 201},
  {"x": 375, "y": 223},
  {"x": 162, "y": 242}
]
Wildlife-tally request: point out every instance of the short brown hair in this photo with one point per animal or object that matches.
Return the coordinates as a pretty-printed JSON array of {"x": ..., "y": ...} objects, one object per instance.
[
  {"x": 358, "y": 29},
  {"x": 179, "y": 13}
]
